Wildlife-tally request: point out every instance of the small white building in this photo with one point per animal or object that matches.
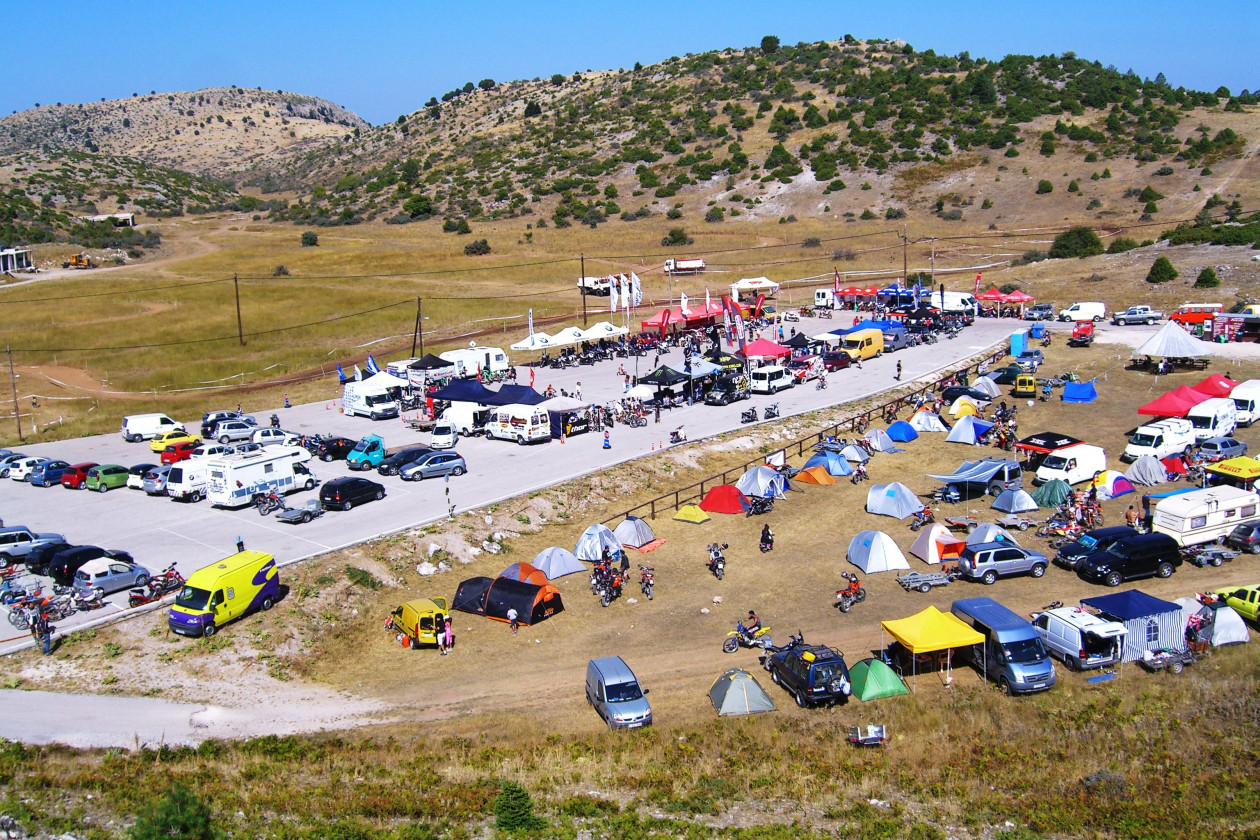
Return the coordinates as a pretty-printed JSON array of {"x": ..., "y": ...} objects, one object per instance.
[
  {"x": 118, "y": 219},
  {"x": 16, "y": 259}
]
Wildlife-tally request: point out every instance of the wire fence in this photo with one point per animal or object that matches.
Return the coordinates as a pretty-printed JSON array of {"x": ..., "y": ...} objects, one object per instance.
[{"x": 856, "y": 423}]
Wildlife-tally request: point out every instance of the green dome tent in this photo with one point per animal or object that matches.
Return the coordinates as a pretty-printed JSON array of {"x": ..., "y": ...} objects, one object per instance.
[
  {"x": 1052, "y": 493},
  {"x": 873, "y": 680}
]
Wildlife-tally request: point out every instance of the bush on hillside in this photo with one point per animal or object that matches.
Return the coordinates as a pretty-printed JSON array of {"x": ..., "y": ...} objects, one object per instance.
[
  {"x": 1207, "y": 279},
  {"x": 310, "y": 239},
  {"x": 177, "y": 814},
  {"x": 1121, "y": 244},
  {"x": 1044, "y": 186},
  {"x": 1161, "y": 271},
  {"x": 1079, "y": 241},
  {"x": 675, "y": 237},
  {"x": 477, "y": 248}
]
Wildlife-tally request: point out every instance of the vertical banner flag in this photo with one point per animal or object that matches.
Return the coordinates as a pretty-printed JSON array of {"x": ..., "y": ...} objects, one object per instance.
[
  {"x": 612, "y": 293},
  {"x": 977, "y": 291},
  {"x": 358, "y": 374},
  {"x": 626, "y": 295},
  {"x": 637, "y": 288},
  {"x": 739, "y": 325},
  {"x": 682, "y": 306},
  {"x": 726, "y": 325},
  {"x": 664, "y": 322},
  {"x": 341, "y": 374},
  {"x": 708, "y": 306},
  {"x": 837, "y": 286},
  {"x": 371, "y": 365},
  {"x": 531, "y": 323},
  {"x": 761, "y": 301}
]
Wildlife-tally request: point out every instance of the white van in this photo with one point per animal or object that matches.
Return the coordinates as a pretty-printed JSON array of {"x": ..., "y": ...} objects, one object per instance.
[
  {"x": 1201, "y": 516},
  {"x": 1216, "y": 417},
  {"x": 488, "y": 359},
  {"x": 521, "y": 423},
  {"x": 1073, "y": 464},
  {"x": 1159, "y": 440},
  {"x": 468, "y": 418},
  {"x": 956, "y": 302},
  {"x": 368, "y": 400},
  {"x": 138, "y": 427},
  {"x": 770, "y": 379},
  {"x": 1081, "y": 639},
  {"x": 1084, "y": 311},
  {"x": 235, "y": 479},
  {"x": 188, "y": 481},
  {"x": 824, "y": 299},
  {"x": 1246, "y": 397}
]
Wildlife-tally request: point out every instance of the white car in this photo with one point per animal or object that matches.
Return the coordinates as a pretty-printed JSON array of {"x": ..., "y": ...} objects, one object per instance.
[
  {"x": 21, "y": 470},
  {"x": 268, "y": 436},
  {"x": 445, "y": 436},
  {"x": 211, "y": 450}
]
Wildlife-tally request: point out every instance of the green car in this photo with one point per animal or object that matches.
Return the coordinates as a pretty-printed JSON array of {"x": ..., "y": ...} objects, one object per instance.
[{"x": 106, "y": 477}]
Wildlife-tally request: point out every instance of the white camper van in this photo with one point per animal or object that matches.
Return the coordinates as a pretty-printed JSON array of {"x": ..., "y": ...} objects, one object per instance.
[
  {"x": 1073, "y": 464},
  {"x": 1216, "y": 417},
  {"x": 824, "y": 299},
  {"x": 235, "y": 479},
  {"x": 368, "y": 399},
  {"x": 1159, "y": 440},
  {"x": 771, "y": 379},
  {"x": 467, "y": 362},
  {"x": 521, "y": 423},
  {"x": 1246, "y": 397},
  {"x": 956, "y": 302},
  {"x": 1201, "y": 516},
  {"x": 468, "y": 418}
]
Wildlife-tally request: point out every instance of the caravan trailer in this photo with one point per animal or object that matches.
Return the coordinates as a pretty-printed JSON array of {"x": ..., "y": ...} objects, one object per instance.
[
  {"x": 479, "y": 359},
  {"x": 1202, "y": 516}
]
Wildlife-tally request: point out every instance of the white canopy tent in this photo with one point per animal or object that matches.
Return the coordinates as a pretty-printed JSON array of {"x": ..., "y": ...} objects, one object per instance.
[
  {"x": 537, "y": 341},
  {"x": 603, "y": 330},
  {"x": 1173, "y": 342}
]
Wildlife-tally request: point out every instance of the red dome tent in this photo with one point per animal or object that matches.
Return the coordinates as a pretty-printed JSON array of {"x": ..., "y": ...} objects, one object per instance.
[{"x": 724, "y": 498}]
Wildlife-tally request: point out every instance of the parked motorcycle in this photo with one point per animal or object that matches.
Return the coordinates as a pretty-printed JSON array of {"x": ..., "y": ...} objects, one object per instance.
[
  {"x": 156, "y": 588},
  {"x": 923, "y": 517},
  {"x": 679, "y": 435},
  {"x": 794, "y": 641},
  {"x": 267, "y": 502},
  {"x": 759, "y": 504},
  {"x": 84, "y": 603},
  {"x": 748, "y": 415},
  {"x": 738, "y": 638},
  {"x": 647, "y": 580},
  {"x": 854, "y": 593},
  {"x": 771, "y": 412},
  {"x": 717, "y": 560},
  {"x": 859, "y": 474}
]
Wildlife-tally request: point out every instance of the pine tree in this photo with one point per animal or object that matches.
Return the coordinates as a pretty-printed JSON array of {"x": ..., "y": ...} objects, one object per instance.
[
  {"x": 1207, "y": 279},
  {"x": 514, "y": 810},
  {"x": 177, "y": 815},
  {"x": 1162, "y": 271}
]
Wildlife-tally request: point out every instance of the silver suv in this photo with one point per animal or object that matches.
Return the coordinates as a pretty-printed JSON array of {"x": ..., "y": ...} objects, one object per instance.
[
  {"x": 19, "y": 541},
  {"x": 231, "y": 430},
  {"x": 985, "y": 562}
]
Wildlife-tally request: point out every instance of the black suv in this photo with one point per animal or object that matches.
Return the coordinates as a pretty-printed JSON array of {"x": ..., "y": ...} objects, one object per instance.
[
  {"x": 40, "y": 557},
  {"x": 348, "y": 491},
  {"x": 333, "y": 448},
  {"x": 1145, "y": 555},
  {"x": 727, "y": 390},
  {"x": 812, "y": 674},
  {"x": 393, "y": 464},
  {"x": 1091, "y": 542},
  {"x": 65, "y": 563}
]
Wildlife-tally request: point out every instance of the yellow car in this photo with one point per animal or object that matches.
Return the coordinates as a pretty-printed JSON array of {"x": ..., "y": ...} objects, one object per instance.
[
  {"x": 420, "y": 621},
  {"x": 162, "y": 441}
]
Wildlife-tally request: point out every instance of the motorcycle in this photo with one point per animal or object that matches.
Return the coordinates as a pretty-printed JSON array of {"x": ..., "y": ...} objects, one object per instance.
[
  {"x": 737, "y": 638},
  {"x": 854, "y": 593},
  {"x": 794, "y": 641},
  {"x": 156, "y": 588},
  {"x": 859, "y": 474},
  {"x": 759, "y": 504},
  {"x": 84, "y": 603},
  {"x": 748, "y": 416},
  {"x": 609, "y": 588},
  {"x": 647, "y": 580},
  {"x": 923, "y": 517},
  {"x": 821, "y": 385},
  {"x": 267, "y": 502},
  {"x": 679, "y": 435},
  {"x": 717, "y": 560},
  {"x": 772, "y": 411}
]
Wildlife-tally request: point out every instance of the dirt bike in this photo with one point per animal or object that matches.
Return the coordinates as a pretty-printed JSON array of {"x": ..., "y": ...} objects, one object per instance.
[
  {"x": 717, "y": 560},
  {"x": 647, "y": 580},
  {"x": 794, "y": 641},
  {"x": 738, "y": 638},
  {"x": 859, "y": 474},
  {"x": 267, "y": 502},
  {"x": 923, "y": 517},
  {"x": 608, "y": 587},
  {"x": 854, "y": 593}
]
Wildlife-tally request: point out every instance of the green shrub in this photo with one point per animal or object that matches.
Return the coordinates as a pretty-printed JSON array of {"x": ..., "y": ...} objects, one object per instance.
[
  {"x": 310, "y": 239},
  {"x": 279, "y": 271},
  {"x": 362, "y": 578},
  {"x": 676, "y": 236},
  {"x": 177, "y": 815},
  {"x": 1079, "y": 241},
  {"x": 867, "y": 215},
  {"x": 1121, "y": 244},
  {"x": 986, "y": 205},
  {"x": 715, "y": 214},
  {"x": 812, "y": 242},
  {"x": 1044, "y": 186},
  {"x": 1161, "y": 271},
  {"x": 514, "y": 810},
  {"x": 1207, "y": 279},
  {"x": 894, "y": 213},
  {"x": 1074, "y": 187},
  {"x": 1151, "y": 207},
  {"x": 1150, "y": 194},
  {"x": 477, "y": 248}
]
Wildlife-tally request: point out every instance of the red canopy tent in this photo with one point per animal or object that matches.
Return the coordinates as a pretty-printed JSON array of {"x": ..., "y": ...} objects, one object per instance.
[
  {"x": 1017, "y": 296},
  {"x": 1216, "y": 385},
  {"x": 654, "y": 323},
  {"x": 992, "y": 295},
  {"x": 1175, "y": 403},
  {"x": 764, "y": 349}
]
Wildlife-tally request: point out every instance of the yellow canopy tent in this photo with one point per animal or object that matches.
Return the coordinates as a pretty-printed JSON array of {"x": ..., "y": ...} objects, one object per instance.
[
  {"x": 930, "y": 631},
  {"x": 814, "y": 475},
  {"x": 1241, "y": 471}
]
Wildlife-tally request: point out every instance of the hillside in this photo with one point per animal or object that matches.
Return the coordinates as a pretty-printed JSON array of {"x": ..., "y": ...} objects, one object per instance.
[{"x": 215, "y": 131}]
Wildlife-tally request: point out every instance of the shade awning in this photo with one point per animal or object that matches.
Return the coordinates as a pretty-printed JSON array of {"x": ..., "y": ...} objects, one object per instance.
[{"x": 931, "y": 630}]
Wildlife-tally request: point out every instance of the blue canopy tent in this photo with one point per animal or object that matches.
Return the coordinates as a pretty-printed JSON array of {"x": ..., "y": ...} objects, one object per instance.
[
  {"x": 467, "y": 390},
  {"x": 1079, "y": 392},
  {"x": 882, "y": 326},
  {"x": 896, "y": 294},
  {"x": 832, "y": 462},
  {"x": 902, "y": 432},
  {"x": 517, "y": 395},
  {"x": 1152, "y": 624}
]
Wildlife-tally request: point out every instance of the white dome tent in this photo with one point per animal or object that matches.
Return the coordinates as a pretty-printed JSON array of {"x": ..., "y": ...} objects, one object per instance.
[{"x": 875, "y": 551}]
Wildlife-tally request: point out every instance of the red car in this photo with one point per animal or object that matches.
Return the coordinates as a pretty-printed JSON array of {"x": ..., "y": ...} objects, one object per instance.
[
  {"x": 75, "y": 475},
  {"x": 177, "y": 452},
  {"x": 837, "y": 360}
]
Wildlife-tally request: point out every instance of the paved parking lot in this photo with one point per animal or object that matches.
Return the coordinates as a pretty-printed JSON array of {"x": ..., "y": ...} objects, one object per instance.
[{"x": 157, "y": 531}]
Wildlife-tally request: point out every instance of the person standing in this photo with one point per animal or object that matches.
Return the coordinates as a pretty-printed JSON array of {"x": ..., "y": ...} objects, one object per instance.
[
  {"x": 898, "y": 370},
  {"x": 448, "y": 637},
  {"x": 627, "y": 384},
  {"x": 41, "y": 631},
  {"x": 658, "y": 412},
  {"x": 512, "y": 620},
  {"x": 578, "y": 393}
]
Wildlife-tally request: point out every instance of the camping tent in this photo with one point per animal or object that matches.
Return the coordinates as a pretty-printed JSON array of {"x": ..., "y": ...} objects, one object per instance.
[
  {"x": 556, "y": 562},
  {"x": 1215, "y": 385},
  {"x": 873, "y": 680},
  {"x": 964, "y": 405},
  {"x": 875, "y": 551},
  {"x": 724, "y": 498},
  {"x": 927, "y": 421},
  {"x": 591, "y": 545},
  {"x": 855, "y": 454},
  {"x": 830, "y": 461},
  {"x": 1217, "y": 624},
  {"x": 1147, "y": 471},
  {"x": 692, "y": 514},
  {"x": 990, "y": 532},
  {"x": 1111, "y": 484},
  {"x": 815, "y": 475},
  {"x": 1014, "y": 500},
  {"x": 986, "y": 385},
  {"x": 1079, "y": 392},
  {"x": 902, "y": 432},
  {"x": 493, "y": 597},
  {"x": 526, "y": 572},
  {"x": 1152, "y": 624},
  {"x": 895, "y": 499},
  {"x": 764, "y": 482},
  {"x": 879, "y": 441},
  {"x": 1052, "y": 493},
  {"x": 634, "y": 532},
  {"x": 935, "y": 544},
  {"x": 969, "y": 430},
  {"x": 737, "y": 692},
  {"x": 1173, "y": 342},
  {"x": 929, "y": 631}
]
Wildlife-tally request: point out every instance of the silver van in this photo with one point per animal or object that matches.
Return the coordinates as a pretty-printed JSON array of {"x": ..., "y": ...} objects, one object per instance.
[
  {"x": 1081, "y": 639},
  {"x": 613, "y": 690},
  {"x": 1014, "y": 656}
]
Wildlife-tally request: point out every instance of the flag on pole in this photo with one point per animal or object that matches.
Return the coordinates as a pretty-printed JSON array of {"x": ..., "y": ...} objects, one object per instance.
[
  {"x": 612, "y": 293},
  {"x": 478, "y": 371},
  {"x": 636, "y": 289},
  {"x": 358, "y": 375},
  {"x": 977, "y": 283},
  {"x": 531, "y": 377},
  {"x": 341, "y": 374},
  {"x": 531, "y": 323},
  {"x": 682, "y": 307},
  {"x": 726, "y": 325},
  {"x": 626, "y": 295},
  {"x": 707, "y": 305},
  {"x": 371, "y": 365}
]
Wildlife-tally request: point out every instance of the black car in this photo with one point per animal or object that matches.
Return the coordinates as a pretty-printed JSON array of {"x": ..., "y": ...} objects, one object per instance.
[
  {"x": 38, "y": 558},
  {"x": 1145, "y": 555},
  {"x": 1091, "y": 542},
  {"x": 953, "y": 392},
  {"x": 393, "y": 464},
  {"x": 334, "y": 448},
  {"x": 65, "y": 563},
  {"x": 812, "y": 674},
  {"x": 728, "y": 389},
  {"x": 1005, "y": 375},
  {"x": 344, "y": 493},
  {"x": 1243, "y": 537}
]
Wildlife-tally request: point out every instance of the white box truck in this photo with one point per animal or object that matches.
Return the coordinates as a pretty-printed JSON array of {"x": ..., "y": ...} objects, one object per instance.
[
  {"x": 824, "y": 299},
  {"x": 1246, "y": 399},
  {"x": 367, "y": 399},
  {"x": 235, "y": 479},
  {"x": 674, "y": 266},
  {"x": 489, "y": 359},
  {"x": 1159, "y": 440}
]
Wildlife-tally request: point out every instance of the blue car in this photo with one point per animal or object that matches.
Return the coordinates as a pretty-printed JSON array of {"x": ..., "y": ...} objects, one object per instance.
[{"x": 48, "y": 473}]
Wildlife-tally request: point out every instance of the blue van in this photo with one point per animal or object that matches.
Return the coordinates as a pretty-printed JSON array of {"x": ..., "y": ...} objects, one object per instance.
[{"x": 1014, "y": 656}]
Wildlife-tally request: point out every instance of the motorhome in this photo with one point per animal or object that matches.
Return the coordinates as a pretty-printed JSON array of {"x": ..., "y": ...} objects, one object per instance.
[
  {"x": 521, "y": 423},
  {"x": 1159, "y": 440},
  {"x": 1215, "y": 417},
  {"x": 235, "y": 479},
  {"x": 370, "y": 399},
  {"x": 1246, "y": 397},
  {"x": 1013, "y": 654},
  {"x": 400, "y": 368},
  {"x": 1073, "y": 464},
  {"x": 469, "y": 363},
  {"x": 1201, "y": 516}
]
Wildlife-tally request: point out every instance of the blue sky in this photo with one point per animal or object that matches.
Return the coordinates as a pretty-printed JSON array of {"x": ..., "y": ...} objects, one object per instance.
[{"x": 383, "y": 59}]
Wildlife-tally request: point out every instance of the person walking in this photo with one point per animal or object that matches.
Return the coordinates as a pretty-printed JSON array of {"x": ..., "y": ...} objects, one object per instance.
[
  {"x": 627, "y": 384},
  {"x": 512, "y": 620},
  {"x": 658, "y": 412},
  {"x": 578, "y": 393},
  {"x": 41, "y": 631}
]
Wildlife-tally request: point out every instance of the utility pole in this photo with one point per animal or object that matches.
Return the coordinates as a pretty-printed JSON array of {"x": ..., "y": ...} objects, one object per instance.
[
  {"x": 905, "y": 259},
  {"x": 416, "y": 332},
  {"x": 240, "y": 330},
  {"x": 13, "y": 381},
  {"x": 582, "y": 286}
]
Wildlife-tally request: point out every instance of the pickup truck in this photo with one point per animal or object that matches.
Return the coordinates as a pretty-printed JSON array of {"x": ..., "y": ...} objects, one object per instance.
[
  {"x": 1244, "y": 599},
  {"x": 1137, "y": 315}
]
